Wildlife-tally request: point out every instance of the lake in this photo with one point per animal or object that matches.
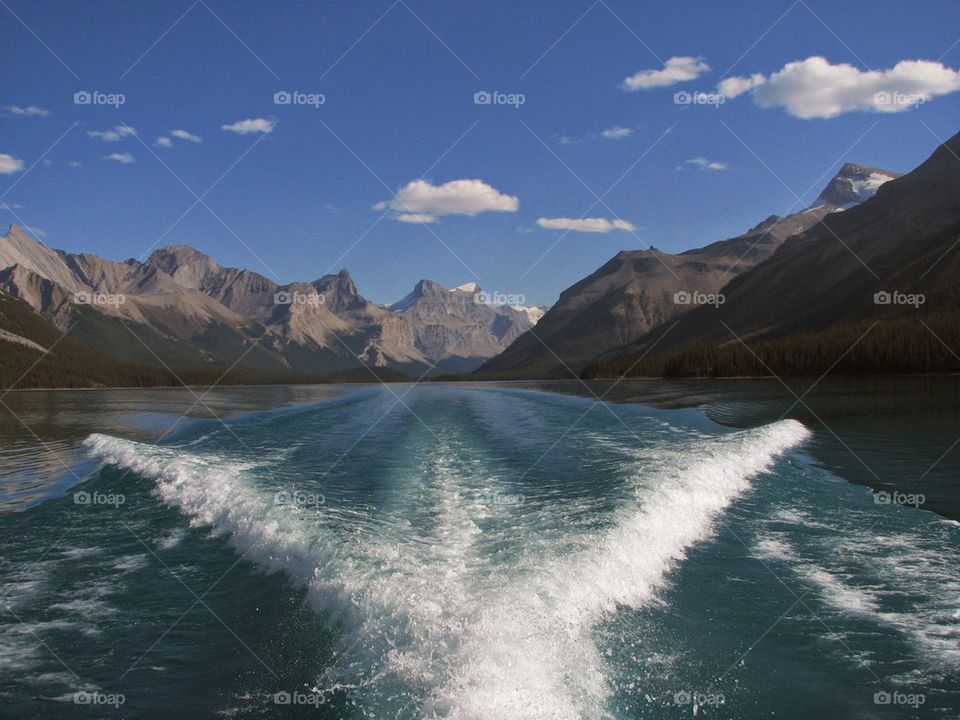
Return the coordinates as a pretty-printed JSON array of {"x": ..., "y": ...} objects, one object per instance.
[{"x": 500, "y": 550}]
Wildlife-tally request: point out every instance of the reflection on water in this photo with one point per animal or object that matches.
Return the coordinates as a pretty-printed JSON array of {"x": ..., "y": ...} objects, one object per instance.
[
  {"x": 41, "y": 431},
  {"x": 30, "y": 470}
]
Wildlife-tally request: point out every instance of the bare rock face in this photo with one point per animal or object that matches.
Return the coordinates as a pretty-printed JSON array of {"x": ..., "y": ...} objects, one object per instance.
[
  {"x": 458, "y": 329},
  {"x": 129, "y": 290},
  {"x": 182, "y": 308},
  {"x": 38, "y": 292},
  {"x": 18, "y": 248},
  {"x": 329, "y": 312},
  {"x": 639, "y": 290}
]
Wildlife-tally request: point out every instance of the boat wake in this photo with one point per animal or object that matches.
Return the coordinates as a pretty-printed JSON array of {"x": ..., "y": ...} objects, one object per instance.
[{"x": 434, "y": 623}]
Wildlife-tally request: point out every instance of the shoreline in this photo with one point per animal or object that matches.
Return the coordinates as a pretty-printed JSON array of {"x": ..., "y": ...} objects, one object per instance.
[{"x": 411, "y": 381}]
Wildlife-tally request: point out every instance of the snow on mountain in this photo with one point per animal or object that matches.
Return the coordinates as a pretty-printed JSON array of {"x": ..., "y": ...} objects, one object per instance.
[
  {"x": 459, "y": 329},
  {"x": 636, "y": 290},
  {"x": 852, "y": 185},
  {"x": 534, "y": 312}
]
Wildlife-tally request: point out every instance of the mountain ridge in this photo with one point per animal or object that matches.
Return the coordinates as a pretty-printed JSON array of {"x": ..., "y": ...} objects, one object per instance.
[
  {"x": 841, "y": 273},
  {"x": 182, "y": 308},
  {"x": 639, "y": 290}
]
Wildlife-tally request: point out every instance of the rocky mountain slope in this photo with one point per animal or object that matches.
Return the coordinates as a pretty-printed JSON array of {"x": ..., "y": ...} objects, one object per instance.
[
  {"x": 639, "y": 290},
  {"x": 34, "y": 353},
  {"x": 892, "y": 258},
  {"x": 327, "y": 313},
  {"x": 183, "y": 310},
  {"x": 461, "y": 328}
]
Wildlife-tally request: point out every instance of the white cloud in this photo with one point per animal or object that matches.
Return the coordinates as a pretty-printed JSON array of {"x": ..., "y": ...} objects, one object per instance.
[
  {"x": 704, "y": 164},
  {"x": 163, "y": 142},
  {"x": 9, "y": 164},
  {"x": 675, "y": 70},
  {"x": 114, "y": 134},
  {"x": 29, "y": 111},
  {"x": 250, "y": 125},
  {"x": 184, "y": 135},
  {"x": 10, "y": 206},
  {"x": 735, "y": 86},
  {"x": 75, "y": 164},
  {"x": 420, "y": 218},
  {"x": 124, "y": 158},
  {"x": 35, "y": 231},
  {"x": 585, "y": 225},
  {"x": 617, "y": 133},
  {"x": 420, "y": 201},
  {"x": 813, "y": 88}
]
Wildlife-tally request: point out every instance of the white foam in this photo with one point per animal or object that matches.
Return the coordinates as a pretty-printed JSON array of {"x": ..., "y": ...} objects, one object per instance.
[
  {"x": 19, "y": 647},
  {"x": 76, "y": 553},
  {"x": 531, "y": 653},
  {"x": 774, "y": 548},
  {"x": 172, "y": 540},
  {"x": 17, "y": 653},
  {"x": 893, "y": 565},
  {"x": 465, "y": 637},
  {"x": 129, "y": 563}
]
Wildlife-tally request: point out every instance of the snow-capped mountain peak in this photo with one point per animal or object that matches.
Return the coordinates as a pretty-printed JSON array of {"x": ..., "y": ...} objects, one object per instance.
[{"x": 853, "y": 184}]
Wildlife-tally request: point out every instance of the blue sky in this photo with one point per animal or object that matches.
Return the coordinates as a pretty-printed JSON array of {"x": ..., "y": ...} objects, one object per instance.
[{"x": 329, "y": 186}]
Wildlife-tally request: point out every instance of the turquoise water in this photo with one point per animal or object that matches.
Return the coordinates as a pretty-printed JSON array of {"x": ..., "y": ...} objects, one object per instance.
[{"x": 468, "y": 552}]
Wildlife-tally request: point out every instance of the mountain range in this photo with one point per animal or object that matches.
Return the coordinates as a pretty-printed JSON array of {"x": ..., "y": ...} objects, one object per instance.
[
  {"x": 182, "y": 311},
  {"x": 839, "y": 285}
]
